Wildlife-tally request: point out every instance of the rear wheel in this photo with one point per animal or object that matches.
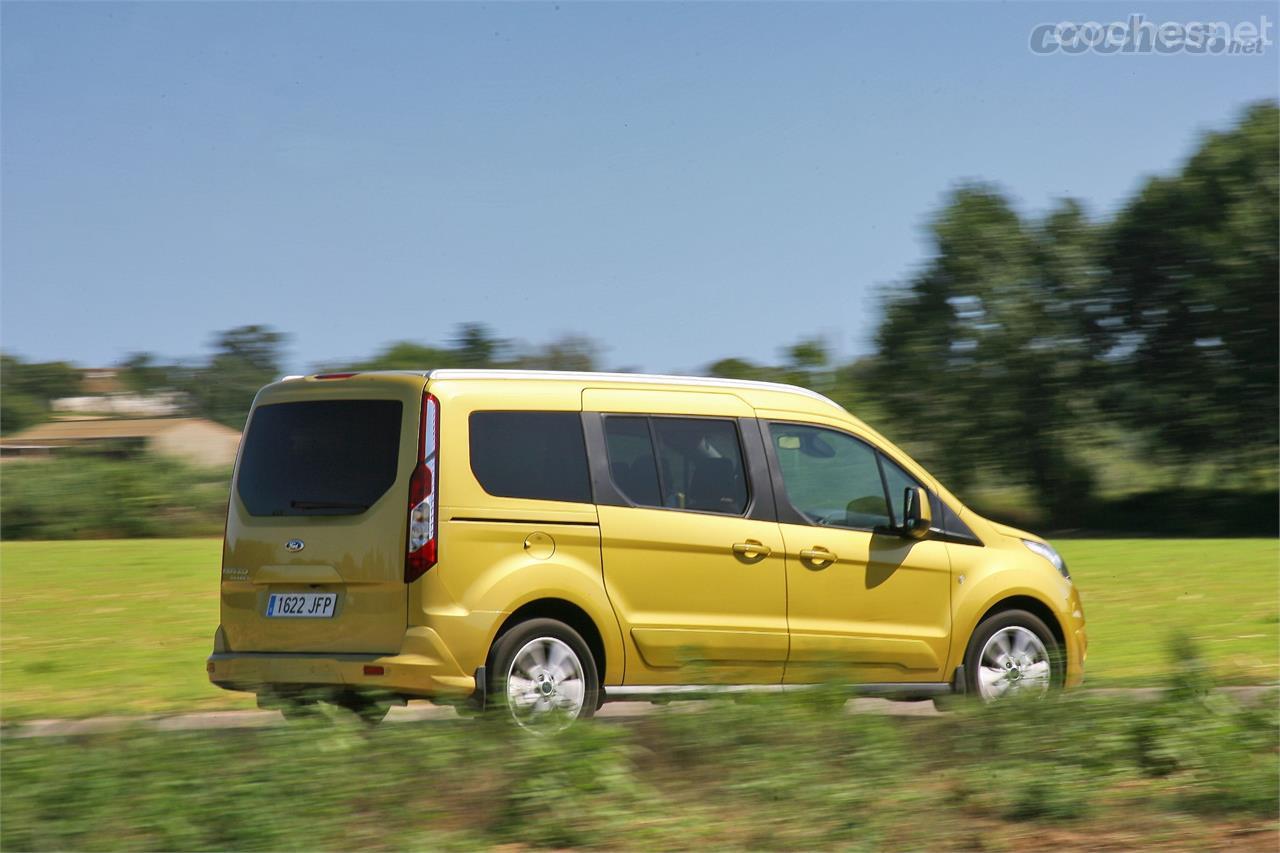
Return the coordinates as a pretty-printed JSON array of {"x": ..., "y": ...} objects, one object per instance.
[
  {"x": 544, "y": 677},
  {"x": 1012, "y": 652},
  {"x": 302, "y": 710},
  {"x": 369, "y": 709}
]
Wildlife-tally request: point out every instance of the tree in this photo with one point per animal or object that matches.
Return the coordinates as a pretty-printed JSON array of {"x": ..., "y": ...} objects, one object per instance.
[
  {"x": 475, "y": 346},
  {"x": 806, "y": 363},
  {"x": 142, "y": 373},
  {"x": 1194, "y": 304},
  {"x": 244, "y": 359},
  {"x": 406, "y": 355},
  {"x": 741, "y": 368},
  {"x": 569, "y": 352},
  {"x": 19, "y": 411},
  {"x": 980, "y": 357},
  {"x": 27, "y": 388}
]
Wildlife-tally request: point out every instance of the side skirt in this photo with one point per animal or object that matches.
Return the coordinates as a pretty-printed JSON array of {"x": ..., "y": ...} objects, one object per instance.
[{"x": 677, "y": 692}]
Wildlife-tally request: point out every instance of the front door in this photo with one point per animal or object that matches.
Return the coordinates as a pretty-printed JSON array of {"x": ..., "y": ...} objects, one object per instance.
[
  {"x": 698, "y": 583},
  {"x": 863, "y": 603}
]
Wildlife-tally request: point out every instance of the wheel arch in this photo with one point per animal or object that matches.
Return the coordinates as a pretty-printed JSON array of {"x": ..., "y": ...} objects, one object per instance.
[
  {"x": 1032, "y": 605},
  {"x": 564, "y": 611}
]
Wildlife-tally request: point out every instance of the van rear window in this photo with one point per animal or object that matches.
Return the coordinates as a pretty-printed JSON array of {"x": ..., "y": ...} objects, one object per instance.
[
  {"x": 319, "y": 457},
  {"x": 539, "y": 455}
]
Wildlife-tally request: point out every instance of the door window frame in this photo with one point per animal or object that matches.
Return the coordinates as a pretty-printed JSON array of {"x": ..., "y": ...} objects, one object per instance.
[
  {"x": 760, "y": 503},
  {"x": 787, "y": 512}
]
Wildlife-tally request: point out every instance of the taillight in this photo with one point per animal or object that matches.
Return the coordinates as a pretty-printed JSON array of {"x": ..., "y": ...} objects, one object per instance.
[{"x": 422, "y": 550}]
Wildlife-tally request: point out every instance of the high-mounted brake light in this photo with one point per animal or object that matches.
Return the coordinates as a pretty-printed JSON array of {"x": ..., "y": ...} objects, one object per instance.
[
  {"x": 422, "y": 550},
  {"x": 334, "y": 375}
]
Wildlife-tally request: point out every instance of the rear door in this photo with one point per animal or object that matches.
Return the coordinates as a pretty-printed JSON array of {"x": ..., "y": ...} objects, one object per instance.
[
  {"x": 692, "y": 554},
  {"x": 314, "y": 554}
]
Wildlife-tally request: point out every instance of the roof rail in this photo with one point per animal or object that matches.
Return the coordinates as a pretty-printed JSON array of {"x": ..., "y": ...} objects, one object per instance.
[{"x": 637, "y": 378}]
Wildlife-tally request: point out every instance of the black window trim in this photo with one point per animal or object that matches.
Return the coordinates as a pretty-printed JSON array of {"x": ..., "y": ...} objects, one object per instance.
[
  {"x": 884, "y": 486},
  {"x": 609, "y": 493},
  {"x": 591, "y": 486}
]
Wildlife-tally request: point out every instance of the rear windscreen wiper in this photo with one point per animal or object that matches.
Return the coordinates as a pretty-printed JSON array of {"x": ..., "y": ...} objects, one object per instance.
[{"x": 327, "y": 505}]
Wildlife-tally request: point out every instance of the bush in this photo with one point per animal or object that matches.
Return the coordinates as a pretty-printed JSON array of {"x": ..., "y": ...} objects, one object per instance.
[
  {"x": 779, "y": 772},
  {"x": 88, "y": 497}
]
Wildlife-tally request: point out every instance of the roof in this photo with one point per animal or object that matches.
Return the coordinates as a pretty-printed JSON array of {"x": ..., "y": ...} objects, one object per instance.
[
  {"x": 98, "y": 429},
  {"x": 636, "y": 378},
  {"x": 630, "y": 378}
]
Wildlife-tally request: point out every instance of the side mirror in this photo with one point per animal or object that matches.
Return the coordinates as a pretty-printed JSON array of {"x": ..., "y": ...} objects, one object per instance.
[{"x": 917, "y": 515}]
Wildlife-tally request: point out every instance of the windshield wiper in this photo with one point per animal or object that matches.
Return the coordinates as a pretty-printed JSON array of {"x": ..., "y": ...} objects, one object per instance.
[{"x": 327, "y": 505}]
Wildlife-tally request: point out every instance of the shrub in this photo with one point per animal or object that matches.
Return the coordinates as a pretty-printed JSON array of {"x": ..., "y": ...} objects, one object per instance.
[{"x": 87, "y": 497}]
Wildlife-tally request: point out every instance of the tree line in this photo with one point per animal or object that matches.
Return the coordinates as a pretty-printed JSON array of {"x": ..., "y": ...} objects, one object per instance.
[{"x": 1069, "y": 356}]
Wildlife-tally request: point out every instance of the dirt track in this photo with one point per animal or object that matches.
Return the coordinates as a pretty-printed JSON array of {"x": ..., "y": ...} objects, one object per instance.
[{"x": 425, "y": 712}]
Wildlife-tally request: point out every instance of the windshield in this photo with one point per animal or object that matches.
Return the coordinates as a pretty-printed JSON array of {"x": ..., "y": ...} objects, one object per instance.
[{"x": 319, "y": 457}]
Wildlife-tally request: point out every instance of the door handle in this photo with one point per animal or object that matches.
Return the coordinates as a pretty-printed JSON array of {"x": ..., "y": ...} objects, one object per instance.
[
  {"x": 817, "y": 555},
  {"x": 752, "y": 548}
]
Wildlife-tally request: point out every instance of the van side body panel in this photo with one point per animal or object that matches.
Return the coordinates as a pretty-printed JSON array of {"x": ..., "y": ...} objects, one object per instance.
[{"x": 498, "y": 553}]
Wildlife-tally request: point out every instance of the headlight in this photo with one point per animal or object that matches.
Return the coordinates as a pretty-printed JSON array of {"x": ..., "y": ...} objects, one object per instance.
[{"x": 1046, "y": 551}]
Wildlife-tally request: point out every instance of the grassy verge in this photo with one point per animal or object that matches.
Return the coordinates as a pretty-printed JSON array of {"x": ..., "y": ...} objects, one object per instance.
[
  {"x": 1222, "y": 593},
  {"x": 123, "y": 626},
  {"x": 108, "y": 626},
  {"x": 1078, "y": 772}
]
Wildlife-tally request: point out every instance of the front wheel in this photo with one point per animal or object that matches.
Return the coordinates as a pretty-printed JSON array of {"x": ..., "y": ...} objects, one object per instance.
[
  {"x": 544, "y": 677},
  {"x": 1013, "y": 652}
]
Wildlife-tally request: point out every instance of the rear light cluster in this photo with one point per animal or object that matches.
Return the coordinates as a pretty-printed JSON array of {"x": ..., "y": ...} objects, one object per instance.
[{"x": 422, "y": 550}]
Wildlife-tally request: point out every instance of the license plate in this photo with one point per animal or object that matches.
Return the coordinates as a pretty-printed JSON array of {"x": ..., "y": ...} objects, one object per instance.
[{"x": 301, "y": 605}]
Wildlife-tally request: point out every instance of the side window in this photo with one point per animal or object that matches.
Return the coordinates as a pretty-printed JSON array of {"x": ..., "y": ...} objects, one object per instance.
[
  {"x": 896, "y": 481},
  {"x": 539, "y": 455},
  {"x": 700, "y": 465},
  {"x": 631, "y": 462},
  {"x": 697, "y": 463},
  {"x": 831, "y": 478}
]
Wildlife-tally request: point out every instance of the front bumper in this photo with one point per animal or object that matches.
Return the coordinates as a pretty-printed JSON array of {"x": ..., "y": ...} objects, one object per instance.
[{"x": 1077, "y": 641}]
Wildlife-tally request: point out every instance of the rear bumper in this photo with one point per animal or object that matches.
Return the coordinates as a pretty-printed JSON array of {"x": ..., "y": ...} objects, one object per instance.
[{"x": 423, "y": 668}]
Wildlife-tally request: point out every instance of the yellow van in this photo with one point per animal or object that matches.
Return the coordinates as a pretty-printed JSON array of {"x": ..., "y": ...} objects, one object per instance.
[{"x": 541, "y": 543}]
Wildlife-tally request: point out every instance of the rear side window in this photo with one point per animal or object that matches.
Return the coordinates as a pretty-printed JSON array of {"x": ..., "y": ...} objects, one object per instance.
[
  {"x": 678, "y": 463},
  {"x": 319, "y": 457},
  {"x": 539, "y": 455},
  {"x": 631, "y": 461}
]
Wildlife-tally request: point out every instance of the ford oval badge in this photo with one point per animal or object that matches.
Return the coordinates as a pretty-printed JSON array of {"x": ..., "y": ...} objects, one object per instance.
[{"x": 293, "y": 546}]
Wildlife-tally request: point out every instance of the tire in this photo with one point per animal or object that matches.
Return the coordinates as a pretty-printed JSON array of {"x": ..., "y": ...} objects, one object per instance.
[
  {"x": 1012, "y": 652},
  {"x": 543, "y": 676},
  {"x": 368, "y": 709},
  {"x": 303, "y": 711}
]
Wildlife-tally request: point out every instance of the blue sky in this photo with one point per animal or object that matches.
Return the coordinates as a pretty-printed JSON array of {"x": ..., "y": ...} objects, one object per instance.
[{"x": 680, "y": 182}]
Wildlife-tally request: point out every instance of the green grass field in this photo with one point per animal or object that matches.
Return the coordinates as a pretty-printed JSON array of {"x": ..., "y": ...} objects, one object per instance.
[{"x": 98, "y": 627}]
